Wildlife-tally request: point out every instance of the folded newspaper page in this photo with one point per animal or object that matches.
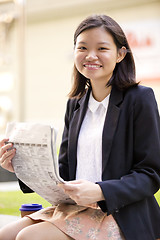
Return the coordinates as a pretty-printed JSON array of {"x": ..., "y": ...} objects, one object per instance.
[{"x": 35, "y": 162}]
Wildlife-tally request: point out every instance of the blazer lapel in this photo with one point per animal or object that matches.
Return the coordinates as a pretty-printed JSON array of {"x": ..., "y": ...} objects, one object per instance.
[
  {"x": 75, "y": 125},
  {"x": 110, "y": 124}
]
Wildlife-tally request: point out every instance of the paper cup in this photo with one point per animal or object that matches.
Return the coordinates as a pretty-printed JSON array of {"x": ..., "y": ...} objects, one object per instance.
[{"x": 29, "y": 208}]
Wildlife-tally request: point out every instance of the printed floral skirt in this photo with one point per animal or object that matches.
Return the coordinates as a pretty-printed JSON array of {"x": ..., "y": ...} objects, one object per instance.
[{"x": 80, "y": 222}]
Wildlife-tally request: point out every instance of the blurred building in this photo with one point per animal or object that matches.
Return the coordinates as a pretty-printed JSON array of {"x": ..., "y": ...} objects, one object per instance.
[
  {"x": 49, "y": 48},
  {"x": 36, "y": 52}
]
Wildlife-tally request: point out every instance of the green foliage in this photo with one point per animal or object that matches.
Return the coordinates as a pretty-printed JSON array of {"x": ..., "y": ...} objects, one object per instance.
[
  {"x": 10, "y": 202},
  {"x": 157, "y": 196}
]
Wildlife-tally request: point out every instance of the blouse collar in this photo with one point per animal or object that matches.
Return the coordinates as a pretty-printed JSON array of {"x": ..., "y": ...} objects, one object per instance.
[{"x": 94, "y": 104}]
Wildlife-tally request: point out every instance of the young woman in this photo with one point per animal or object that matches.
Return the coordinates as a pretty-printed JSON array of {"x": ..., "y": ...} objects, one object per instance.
[{"x": 110, "y": 150}]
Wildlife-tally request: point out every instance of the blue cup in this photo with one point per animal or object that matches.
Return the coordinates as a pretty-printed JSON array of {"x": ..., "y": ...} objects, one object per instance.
[{"x": 27, "y": 209}]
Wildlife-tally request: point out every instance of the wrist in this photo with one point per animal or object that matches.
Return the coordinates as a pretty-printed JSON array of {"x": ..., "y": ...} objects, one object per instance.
[{"x": 100, "y": 196}]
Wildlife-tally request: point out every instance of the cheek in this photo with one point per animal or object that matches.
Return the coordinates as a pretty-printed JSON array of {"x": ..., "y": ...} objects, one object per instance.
[
  {"x": 111, "y": 60},
  {"x": 78, "y": 60}
]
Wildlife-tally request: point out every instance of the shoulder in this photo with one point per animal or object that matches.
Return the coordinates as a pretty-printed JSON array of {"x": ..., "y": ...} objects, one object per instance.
[
  {"x": 140, "y": 94},
  {"x": 139, "y": 91},
  {"x": 141, "y": 100}
]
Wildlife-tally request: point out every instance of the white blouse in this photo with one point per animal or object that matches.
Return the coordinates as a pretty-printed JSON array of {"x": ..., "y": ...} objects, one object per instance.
[{"x": 89, "y": 148}]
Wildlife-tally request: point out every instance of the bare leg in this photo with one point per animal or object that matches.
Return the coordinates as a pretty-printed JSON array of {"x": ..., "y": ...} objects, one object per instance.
[
  {"x": 10, "y": 231},
  {"x": 42, "y": 231}
]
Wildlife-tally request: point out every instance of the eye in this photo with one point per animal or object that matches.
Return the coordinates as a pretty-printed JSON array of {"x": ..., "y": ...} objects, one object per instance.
[
  {"x": 82, "y": 48},
  {"x": 103, "y": 49}
]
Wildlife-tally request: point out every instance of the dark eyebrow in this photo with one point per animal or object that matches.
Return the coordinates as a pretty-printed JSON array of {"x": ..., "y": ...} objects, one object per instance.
[{"x": 99, "y": 43}]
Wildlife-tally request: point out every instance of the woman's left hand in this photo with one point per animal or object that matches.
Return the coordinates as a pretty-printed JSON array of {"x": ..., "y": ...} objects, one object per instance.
[{"x": 83, "y": 192}]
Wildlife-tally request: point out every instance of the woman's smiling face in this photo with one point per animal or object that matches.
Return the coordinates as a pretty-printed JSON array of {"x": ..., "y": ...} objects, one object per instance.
[{"x": 96, "y": 54}]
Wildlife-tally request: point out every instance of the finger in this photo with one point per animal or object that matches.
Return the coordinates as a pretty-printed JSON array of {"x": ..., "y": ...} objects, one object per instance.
[
  {"x": 2, "y": 142},
  {"x": 8, "y": 164},
  {"x": 60, "y": 185},
  {"x": 5, "y": 148},
  {"x": 77, "y": 181},
  {"x": 71, "y": 195},
  {"x": 70, "y": 187},
  {"x": 7, "y": 156},
  {"x": 5, "y": 161}
]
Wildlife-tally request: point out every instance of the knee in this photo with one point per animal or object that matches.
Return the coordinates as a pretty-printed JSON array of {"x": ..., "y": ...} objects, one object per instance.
[
  {"x": 1, "y": 235},
  {"x": 4, "y": 235},
  {"x": 22, "y": 235}
]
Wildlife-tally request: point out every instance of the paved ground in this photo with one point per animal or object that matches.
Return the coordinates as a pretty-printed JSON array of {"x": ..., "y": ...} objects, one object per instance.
[
  {"x": 4, "y": 219},
  {"x": 8, "y": 186}
]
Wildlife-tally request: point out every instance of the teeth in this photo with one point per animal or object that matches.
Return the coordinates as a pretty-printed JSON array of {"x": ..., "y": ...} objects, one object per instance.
[{"x": 92, "y": 66}]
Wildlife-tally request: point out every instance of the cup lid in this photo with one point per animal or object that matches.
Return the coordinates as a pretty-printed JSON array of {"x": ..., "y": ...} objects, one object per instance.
[{"x": 30, "y": 207}]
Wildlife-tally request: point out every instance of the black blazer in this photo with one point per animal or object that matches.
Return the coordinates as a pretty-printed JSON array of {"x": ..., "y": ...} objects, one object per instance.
[{"x": 130, "y": 158}]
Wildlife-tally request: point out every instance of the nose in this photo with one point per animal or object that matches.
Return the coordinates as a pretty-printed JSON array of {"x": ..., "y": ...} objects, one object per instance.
[{"x": 91, "y": 56}]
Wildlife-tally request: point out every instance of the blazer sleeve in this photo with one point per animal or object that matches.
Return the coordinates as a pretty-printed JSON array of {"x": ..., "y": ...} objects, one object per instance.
[
  {"x": 24, "y": 187},
  {"x": 143, "y": 180}
]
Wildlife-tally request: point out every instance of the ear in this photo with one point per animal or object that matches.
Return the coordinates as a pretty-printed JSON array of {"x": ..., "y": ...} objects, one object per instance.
[{"x": 121, "y": 54}]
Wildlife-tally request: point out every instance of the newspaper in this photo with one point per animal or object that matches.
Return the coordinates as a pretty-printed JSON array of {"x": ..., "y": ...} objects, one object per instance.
[{"x": 35, "y": 162}]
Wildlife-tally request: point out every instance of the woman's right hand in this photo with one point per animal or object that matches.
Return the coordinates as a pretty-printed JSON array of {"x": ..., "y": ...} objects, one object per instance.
[{"x": 6, "y": 155}]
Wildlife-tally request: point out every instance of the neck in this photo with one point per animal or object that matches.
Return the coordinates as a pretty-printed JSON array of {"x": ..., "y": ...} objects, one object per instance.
[{"x": 100, "y": 92}]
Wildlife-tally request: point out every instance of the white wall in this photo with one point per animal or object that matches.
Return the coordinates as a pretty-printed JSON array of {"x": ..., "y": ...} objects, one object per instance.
[{"x": 49, "y": 61}]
